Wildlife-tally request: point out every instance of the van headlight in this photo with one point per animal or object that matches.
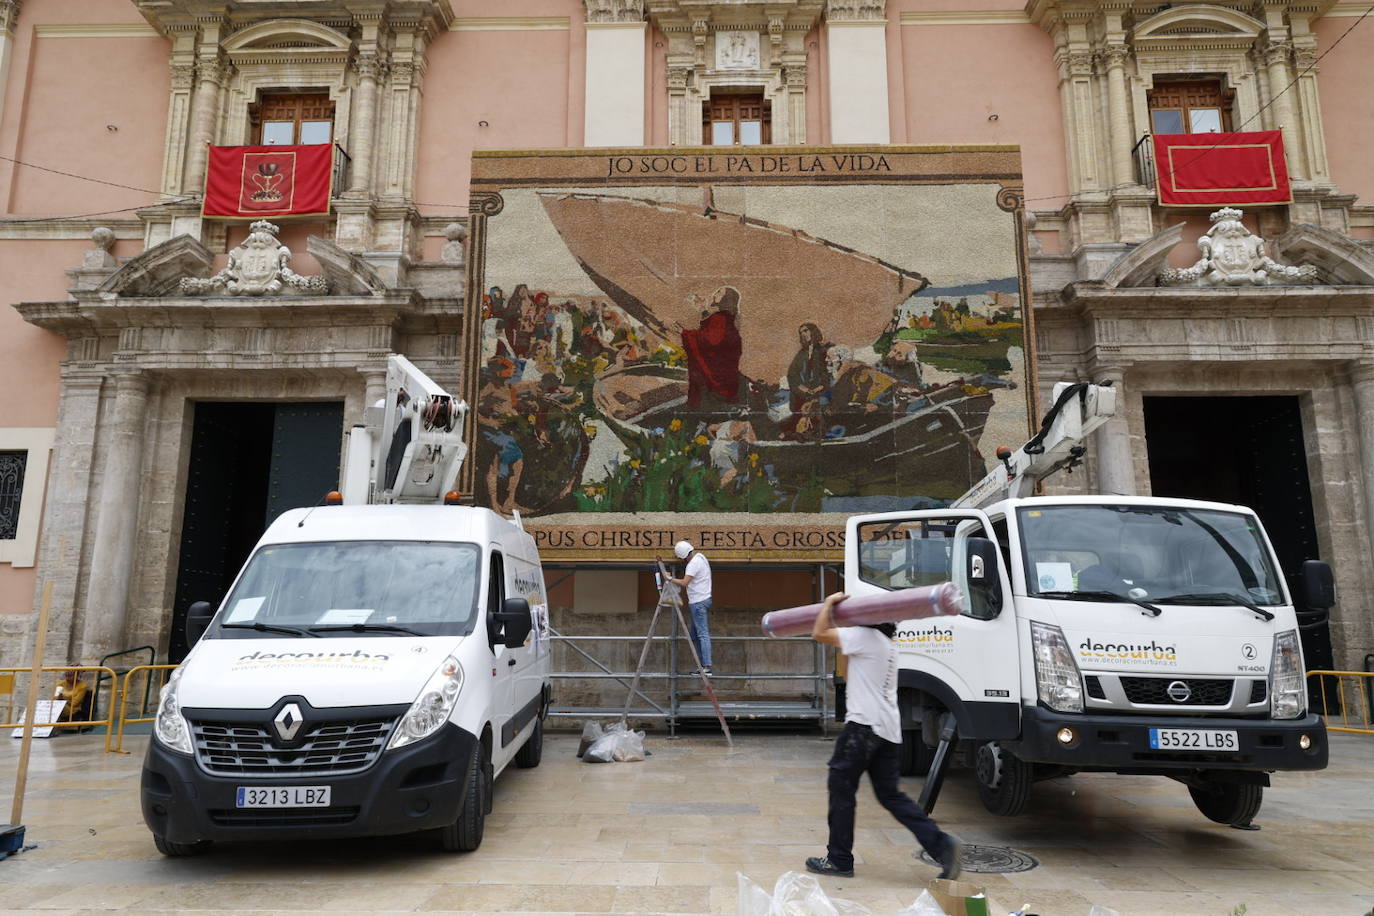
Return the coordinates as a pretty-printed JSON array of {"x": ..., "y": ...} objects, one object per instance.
[
  {"x": 432, "y": 707},
  {"x": 1287, "y": 688},
  {"x": 1057, "y": 681},
  {"x": 170, "y": 725}
]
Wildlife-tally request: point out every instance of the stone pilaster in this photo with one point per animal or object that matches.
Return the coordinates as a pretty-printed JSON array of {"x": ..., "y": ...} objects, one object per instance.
[
  {"x": 179, "y": 107},
  {"x": 9, "y": 16},
  {"x": 1362, "y": 383},
  {"x": 116, "y": 522},
  {"x": 1112, "y": 442},
  {"x": 67, "y": 510}
]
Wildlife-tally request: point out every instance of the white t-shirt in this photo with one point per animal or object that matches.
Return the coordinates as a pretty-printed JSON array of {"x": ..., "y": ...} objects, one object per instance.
[
  {"x": 871, "y": 684},
  {"x": 699, "y": 589}
]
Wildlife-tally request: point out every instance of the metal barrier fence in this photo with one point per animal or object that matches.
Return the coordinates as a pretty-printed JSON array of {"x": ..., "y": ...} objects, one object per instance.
[
  {"x": 1352, "y": 689},
  {"x": 672, "y": 709},
  {"x": 109, "y": 660},
  {"x": 123, "y": 702},
  {"x": 107, "y": 722}
]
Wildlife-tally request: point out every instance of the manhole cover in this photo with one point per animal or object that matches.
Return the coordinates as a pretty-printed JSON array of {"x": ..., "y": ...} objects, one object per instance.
[{"x": 991, "y": 860}]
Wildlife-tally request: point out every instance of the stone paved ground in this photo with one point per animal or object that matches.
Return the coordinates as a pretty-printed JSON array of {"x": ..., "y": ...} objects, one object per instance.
[{"x": 668, "y": 836}]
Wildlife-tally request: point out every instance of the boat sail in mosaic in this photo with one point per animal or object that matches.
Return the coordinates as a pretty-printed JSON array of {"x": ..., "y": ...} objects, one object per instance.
[{"x": 750, "y": 343}]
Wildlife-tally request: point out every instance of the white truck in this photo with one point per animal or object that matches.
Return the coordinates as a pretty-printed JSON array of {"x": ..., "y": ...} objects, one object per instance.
[
  {"x": 375, "y": 666},
  {"x": 1116, "y": 634}
]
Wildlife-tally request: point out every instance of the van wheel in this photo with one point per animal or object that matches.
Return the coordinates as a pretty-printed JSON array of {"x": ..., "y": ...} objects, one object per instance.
[
  {"x": 180, "y": 850},
  {"x": 1231, "y": 803},
  {"x": 1004, "y": 780},
  {"x": 532, "y": 751},
  {"x": 465, "y": 834},
  {"x": 916, "y": 757}
]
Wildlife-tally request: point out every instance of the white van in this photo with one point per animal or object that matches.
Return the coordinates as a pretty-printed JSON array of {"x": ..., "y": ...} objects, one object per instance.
[
  {"x": 1120, "y": 634},
  {"x": 373, "y": 669}
]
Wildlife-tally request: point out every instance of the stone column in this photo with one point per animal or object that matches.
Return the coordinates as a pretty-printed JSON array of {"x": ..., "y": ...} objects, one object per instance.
[
  {"x": 363, "y": 127},
  {"x": 1362, "y": 382},
  {"x": 206, "y": 107},
  {"x": 1118, "y": 108},
  {"x": 1276, "y": 55},
  {"x": 1112, "y": 443},
  {"x": 116, "y": 520}
]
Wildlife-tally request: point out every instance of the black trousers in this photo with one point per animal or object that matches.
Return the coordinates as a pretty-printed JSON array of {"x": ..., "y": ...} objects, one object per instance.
[{"x": 859, "y": 751}]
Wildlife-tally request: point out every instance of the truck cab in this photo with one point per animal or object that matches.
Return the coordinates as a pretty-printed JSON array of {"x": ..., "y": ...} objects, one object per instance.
[
  {"x": 372, "y": 670},
  {"x": 1099, "y": 633}
]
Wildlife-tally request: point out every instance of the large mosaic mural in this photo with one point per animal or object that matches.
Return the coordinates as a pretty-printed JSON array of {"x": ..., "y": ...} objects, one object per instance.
[{"x": 740, "y": 347}]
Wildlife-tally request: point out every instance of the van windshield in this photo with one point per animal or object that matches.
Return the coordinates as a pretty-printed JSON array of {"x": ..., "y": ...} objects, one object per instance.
[
  {"x": 1161, "y": 554},
  {"x": 341, "y": 588}
]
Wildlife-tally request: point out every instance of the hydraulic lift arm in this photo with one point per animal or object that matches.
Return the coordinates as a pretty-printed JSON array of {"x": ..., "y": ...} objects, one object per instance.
[
  {"x": 410, "y": 448},
  {"x": 1079, "y": 408}
]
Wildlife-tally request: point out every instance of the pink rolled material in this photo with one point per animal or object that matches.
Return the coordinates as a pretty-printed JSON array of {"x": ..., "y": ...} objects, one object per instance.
[{"x": 862, "y": 610}]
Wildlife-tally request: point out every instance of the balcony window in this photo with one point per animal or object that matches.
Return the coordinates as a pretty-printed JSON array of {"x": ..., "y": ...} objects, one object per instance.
[
  {"x": 737, "y": 120},
  {"x": 1190, "y": 107},
  {"x": 297, "y": 119}
]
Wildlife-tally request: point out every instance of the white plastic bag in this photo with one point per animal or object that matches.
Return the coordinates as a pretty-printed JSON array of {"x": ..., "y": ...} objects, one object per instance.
[
  {"x": 629, "y": 746},
  {"x": 615, "y": 742},
  {"x": 1102, "y": 911},
  {"x": 794, "y": 894},
  {"x": 590, "y": 732},
  {"x": 925, "y": 905}
]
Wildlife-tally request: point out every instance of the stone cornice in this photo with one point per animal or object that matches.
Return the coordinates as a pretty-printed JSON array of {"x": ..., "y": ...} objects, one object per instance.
[
  {"x": 90, "y": 315},
  {"x": 964, "y": 17},
  {"x": 510, "y": 23},
  {"x": 115, "y": 30}
]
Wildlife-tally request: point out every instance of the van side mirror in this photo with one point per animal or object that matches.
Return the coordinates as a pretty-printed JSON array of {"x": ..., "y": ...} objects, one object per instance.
[
  {"x": 981, "y": 575},
  {"x": 1318, "y": 586},
  {"x": 515, "y": 622},
  {"x": 198, "y": 617}
]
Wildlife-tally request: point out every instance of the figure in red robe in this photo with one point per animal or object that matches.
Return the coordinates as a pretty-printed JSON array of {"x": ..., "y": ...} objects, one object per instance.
[{"x": 713, "y": 351}]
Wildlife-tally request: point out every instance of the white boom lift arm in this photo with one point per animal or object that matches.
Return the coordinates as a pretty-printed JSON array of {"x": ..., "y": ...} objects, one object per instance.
[
  {"x": 1079, "y": 408},
  {"x": 411, "y": 446}
]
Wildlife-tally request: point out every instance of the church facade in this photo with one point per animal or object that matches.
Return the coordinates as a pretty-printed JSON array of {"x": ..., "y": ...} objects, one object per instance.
[{"x": 893, "y": 222}]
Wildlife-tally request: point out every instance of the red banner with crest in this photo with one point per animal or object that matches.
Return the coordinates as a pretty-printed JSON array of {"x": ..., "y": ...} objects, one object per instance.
[
  {"x": 1212, "y": 170},
  {"x": 252, "y": 182}
]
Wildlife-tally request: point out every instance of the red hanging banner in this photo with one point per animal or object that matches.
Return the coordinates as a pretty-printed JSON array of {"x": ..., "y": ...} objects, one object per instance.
[
  {"x": 1211, "y": 170},
  {"x": 251, "y": 182}
]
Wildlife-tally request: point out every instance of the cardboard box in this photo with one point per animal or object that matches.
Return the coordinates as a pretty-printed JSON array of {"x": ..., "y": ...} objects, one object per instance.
[{"x": 963, "y": 898}]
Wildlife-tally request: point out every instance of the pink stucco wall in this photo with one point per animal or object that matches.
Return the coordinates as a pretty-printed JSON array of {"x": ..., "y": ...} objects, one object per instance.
[
  {"x": 63, "y": 97},
  {"x": 1347, "y": 103},
  {"x": 526, "y": 84},
  {"x": 953, "y": 78}
]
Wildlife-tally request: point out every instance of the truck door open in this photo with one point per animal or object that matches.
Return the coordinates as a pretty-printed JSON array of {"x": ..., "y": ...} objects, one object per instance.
[{"x": 947, "y": 659}]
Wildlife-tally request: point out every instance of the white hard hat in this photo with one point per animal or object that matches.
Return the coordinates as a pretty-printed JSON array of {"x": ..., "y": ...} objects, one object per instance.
[{"x": 681, "y": 549}]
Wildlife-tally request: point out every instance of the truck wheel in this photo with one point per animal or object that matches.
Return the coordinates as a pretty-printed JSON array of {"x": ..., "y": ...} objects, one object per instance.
[
  {"x": 180, "y": 850},
  {"x": 465, "y": 834},
  {"x": 532, "y": 750},
  {"x": 916, "y": 758},
  {"x": 1231, "y": 803},
  {"x": 1004, "y": 780}
]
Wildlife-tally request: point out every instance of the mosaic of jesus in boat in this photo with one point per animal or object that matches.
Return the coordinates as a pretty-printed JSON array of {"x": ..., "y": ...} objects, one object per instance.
[{"x": 700, "y": 350}]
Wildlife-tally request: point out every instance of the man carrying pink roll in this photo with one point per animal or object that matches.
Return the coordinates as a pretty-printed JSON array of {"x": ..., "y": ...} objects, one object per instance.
[{"x": 869, "y": 743}]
